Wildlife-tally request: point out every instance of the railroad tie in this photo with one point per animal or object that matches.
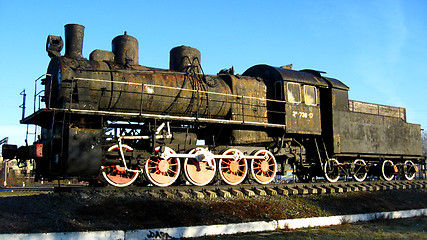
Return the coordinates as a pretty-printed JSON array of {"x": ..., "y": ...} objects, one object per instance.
[
  {"x": 292, "y": 191},
  {"x": 384, "y": 187},
  {"x": 154, "y": 194},
  {"x": 368, "y": 187},
  {"x": 169, "y": 194},
  {"x": 329, "y": 189},
  {"x": 198, "y": 194},
  {"x": 248, "y": 192},
  {"x": 236, "y": 193},
  {"x": 360, "y": 187},
  {"x": 211, "y": 194},
  {"x": 282, "y": 191},
  {"x": 311, "y": 190},
  {"x": 338, "y": 189},
  {"x": 320, "y": 190},
  {"x": 223, "y": 193},
  {"x": 375, "y": 187},
  {"x": 183, "y": 194},
  {"x": 259, "y": 191},
  {"x": 84, "y": 195},
  {"x": 390, "y": 185},
  {"x": 402, "y": 186},
  {"x": 271, "y": 191},
  {"x": 352, "y": 188},
  {"x": 302, "y": 190},
  {"x": 397, "y": 186},
  {"x": 345, "y": 187}
]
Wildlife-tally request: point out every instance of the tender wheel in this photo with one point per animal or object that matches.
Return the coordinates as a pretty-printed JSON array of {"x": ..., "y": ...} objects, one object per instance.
[
  {"x": 233, "y": 171},
  {"x": 387, "y": 170},
  {"x": 264, "y": 170},
  {"x": 360, "y": 170},
  {"x": 331, "y": 170},
  {"x": 410, "y": 170},
  {"x": 117, "y": 175},
  {"x": 199, "y": 173},
  {"x": 163, "y": 172}
]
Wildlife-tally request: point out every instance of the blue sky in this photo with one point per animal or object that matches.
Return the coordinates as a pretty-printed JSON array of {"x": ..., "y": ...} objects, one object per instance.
[{"x": 378, "y": 48}]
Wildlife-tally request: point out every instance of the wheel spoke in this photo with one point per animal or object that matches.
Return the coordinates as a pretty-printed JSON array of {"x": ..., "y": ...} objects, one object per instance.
[
  {"x": 263, "y": 170},
  {"x": 117, "y": 175},
  {"x": 166, "y": 170},
  {"x": 332, "y": 170},
  {"x": 233, "y": 171},
  {"x": 199, "y": 173},
  {"x": 409, "y": 170}
]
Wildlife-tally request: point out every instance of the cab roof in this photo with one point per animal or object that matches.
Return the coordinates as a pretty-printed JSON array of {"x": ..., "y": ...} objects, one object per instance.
[{"x": 310, "y": 77}]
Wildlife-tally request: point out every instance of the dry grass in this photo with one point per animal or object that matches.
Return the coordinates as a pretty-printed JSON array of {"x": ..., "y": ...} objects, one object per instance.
[{"x": 75, "y": 212}]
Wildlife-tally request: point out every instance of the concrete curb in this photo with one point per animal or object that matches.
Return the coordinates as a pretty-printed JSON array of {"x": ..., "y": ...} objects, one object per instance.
[{"x": 198, "y": 231}]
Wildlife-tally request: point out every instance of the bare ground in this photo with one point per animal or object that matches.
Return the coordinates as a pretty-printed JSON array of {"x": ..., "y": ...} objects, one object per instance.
[{"x": 57, "y": 212}]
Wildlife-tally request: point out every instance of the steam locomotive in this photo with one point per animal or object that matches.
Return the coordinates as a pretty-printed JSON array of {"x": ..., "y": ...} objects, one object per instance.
[{"x": 109, "y": 118}]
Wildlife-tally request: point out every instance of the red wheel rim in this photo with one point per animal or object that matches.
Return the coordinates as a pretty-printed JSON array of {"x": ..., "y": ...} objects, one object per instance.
[
  {"x": 198, "y": 173},
  {"x": 233, "y": 171},
  {"x": 163, "y": 172},
  {"x": 117, "y": 175},
  {"x": 264, "y": 170}
]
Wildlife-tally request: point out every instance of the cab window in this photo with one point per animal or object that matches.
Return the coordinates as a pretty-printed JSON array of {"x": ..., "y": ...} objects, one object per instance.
[
  {"x": 278, "y": 87},
  {"x": 294, "y": 92},
  {"x": 310, "y": 95}
]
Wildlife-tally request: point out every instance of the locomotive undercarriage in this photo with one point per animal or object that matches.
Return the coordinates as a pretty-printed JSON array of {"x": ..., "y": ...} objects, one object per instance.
[
  {"x": 310, "y": 160},
  {"x": 383, "y": 167},
  {"x": 169, "y": 154},
  {"x": 162, "y": 153}
]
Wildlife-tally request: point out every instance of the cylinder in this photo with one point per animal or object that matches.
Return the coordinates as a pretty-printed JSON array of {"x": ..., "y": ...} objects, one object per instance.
[
  {"x": 184, "y": 58},
  {"x": 74, "y": 40},
  {"x": 125, "y": 49}
]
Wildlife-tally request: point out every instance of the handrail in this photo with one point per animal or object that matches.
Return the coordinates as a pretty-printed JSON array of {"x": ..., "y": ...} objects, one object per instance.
[
  {"x": 240, "y": 101},
  {"x": 35, "y": 88},
  {"x": 245, "y": 102},
  {"x": 177, "y": 88}
]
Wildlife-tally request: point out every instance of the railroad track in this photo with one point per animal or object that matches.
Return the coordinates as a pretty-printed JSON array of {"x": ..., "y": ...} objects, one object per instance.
[{"x": 227, "y": 191}]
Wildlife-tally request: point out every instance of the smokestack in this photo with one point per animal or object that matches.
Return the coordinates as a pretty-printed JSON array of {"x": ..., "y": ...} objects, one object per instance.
[{"x": 74, "y": 40}]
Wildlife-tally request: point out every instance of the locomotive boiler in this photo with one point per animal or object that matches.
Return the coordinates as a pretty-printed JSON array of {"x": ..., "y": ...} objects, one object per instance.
[{"x": 109, "y": 119}]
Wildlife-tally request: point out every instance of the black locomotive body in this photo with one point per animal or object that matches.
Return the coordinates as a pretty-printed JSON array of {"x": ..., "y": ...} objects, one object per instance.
[{"x": 112, "y": 119}]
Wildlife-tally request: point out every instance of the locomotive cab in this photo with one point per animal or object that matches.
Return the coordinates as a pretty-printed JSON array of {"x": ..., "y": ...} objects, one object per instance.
[{"x": 297, "y": 98}]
